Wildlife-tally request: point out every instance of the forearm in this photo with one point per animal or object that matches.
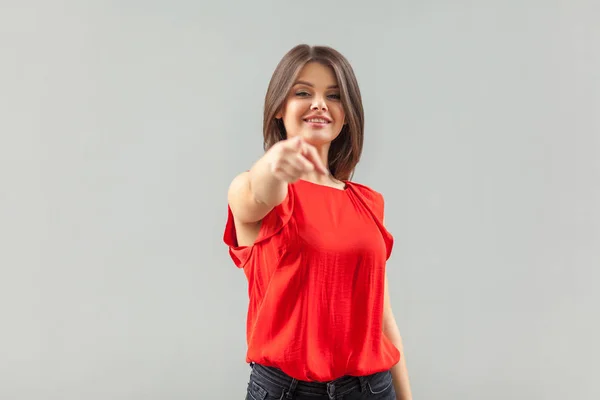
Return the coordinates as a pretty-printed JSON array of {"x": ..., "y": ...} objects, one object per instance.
[
  {"x": 264, "y": 186},
  {"x": 399, "y": 371}
]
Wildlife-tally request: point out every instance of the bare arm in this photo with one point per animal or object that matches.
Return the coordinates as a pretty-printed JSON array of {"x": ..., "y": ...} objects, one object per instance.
[
  {"x": 253, "y": 194},
  {"x": 391, "y": 331}
]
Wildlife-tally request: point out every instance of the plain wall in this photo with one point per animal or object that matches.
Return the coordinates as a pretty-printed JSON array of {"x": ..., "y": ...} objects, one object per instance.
[{"x": 123, "y": 122}]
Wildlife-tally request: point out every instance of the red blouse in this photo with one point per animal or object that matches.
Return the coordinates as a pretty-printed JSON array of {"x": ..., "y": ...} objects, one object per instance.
[{"x": 316, "y": 283}]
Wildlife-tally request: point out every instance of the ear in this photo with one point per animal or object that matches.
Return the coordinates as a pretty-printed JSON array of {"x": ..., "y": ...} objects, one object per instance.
[{"x": 278, "y": 115}]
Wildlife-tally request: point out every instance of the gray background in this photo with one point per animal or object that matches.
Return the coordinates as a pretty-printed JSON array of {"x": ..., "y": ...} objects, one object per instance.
[{"x": 123, "y": 122}]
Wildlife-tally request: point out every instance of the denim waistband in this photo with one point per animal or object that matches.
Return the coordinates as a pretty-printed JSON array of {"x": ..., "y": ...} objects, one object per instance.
[{"x": 339, "y": 385}]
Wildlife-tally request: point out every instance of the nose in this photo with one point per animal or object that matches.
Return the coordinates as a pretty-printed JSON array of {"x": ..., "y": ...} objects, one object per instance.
[{"x": 319, "y": 104}]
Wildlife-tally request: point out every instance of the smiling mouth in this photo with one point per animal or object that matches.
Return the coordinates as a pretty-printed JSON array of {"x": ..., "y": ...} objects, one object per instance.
[{"x": 316, "y": 121}]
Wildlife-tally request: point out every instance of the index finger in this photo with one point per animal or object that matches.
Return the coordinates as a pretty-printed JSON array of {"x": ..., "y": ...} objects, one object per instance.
[
  {"x": 313, "y": 156},
  {"x": 294, "y": 143}
]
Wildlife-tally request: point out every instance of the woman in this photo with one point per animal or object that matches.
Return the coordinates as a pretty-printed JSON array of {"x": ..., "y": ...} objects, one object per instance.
[{"x": 313, "y": 244}]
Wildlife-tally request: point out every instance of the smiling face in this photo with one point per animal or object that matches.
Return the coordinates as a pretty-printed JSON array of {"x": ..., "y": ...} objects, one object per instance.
[
  {"x": 303, "y": 86},
  {"x": 313, "y": 108}
]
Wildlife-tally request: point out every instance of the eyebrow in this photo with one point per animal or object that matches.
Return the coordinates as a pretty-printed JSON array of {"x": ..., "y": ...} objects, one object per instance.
[{"x": 311, "y": 85}]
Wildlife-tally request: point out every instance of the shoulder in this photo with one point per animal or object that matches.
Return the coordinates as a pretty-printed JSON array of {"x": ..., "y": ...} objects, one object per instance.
[
  {"x": 370, "y": 197},
  {"x": 366, "y": 191}
]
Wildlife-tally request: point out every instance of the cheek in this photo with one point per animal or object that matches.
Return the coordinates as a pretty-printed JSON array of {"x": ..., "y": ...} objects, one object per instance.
[
  {"x": 339, "y": 114},
  {"x": 296, "y": 108},
  {"x": 294, "y": 111}
]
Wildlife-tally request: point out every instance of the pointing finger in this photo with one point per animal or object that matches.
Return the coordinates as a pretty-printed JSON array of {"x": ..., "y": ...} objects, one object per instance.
[{"x": 311, "y": 154}]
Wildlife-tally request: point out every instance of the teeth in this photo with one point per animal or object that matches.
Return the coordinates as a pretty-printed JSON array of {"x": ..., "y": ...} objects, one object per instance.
[{"x": 320, "y": 120}]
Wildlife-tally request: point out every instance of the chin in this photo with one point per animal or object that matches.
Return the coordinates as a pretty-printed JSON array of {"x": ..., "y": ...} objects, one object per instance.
[{"x": 317, "y": 139}]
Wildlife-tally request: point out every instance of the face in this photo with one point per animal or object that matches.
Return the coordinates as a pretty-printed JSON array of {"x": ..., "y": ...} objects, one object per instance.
[{"x": 313, "y": 108}]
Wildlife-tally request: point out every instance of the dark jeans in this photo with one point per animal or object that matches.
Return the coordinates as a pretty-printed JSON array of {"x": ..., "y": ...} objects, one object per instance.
[{"x": 268, "y": 383}]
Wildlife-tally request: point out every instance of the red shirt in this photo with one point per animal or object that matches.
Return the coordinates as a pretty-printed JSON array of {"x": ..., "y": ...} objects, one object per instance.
[{"x": 316, "y": 283}]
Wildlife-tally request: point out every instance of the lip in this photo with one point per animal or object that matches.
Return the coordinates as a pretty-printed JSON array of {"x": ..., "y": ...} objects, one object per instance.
[
  {"x": 317, "y": 125},
  {"x": 317, "y": 116}
]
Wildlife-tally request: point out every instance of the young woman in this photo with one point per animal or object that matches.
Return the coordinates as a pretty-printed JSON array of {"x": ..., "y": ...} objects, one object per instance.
[{"x": 313, "y": 244}]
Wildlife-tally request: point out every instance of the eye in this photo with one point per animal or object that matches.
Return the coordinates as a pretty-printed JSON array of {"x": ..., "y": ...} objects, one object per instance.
[
  {"x": 302, "y": 93},
  {"x": 335, "y": 96}
]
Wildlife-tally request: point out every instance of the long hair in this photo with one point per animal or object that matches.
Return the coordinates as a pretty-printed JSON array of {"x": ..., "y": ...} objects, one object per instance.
[{"x": 346, "y": 149}]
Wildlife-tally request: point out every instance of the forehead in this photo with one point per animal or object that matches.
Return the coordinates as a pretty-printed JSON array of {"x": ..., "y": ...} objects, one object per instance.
[{"x": 317, "y": 74}]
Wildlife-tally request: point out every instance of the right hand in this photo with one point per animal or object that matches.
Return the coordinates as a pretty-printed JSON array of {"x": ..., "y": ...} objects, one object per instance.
[{"x": 290, "y": 159}]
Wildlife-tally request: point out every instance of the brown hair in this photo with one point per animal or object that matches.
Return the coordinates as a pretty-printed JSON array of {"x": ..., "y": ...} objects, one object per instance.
[{"x": 346, "y": 149}]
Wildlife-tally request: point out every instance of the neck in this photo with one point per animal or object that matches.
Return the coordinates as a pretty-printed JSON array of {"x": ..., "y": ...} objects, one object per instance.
[{"x": 316, "y": 177}]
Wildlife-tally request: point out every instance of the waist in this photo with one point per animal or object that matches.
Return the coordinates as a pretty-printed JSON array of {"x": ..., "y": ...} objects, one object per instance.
[{"x": 275, "y": 376}]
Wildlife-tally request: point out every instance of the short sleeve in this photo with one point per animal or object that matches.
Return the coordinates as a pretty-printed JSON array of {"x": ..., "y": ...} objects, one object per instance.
[
  {"x": 375, "y": 203},
  {"x": 272, "y": 224},
  {"x": 387, "y": 236}
]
